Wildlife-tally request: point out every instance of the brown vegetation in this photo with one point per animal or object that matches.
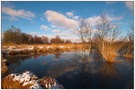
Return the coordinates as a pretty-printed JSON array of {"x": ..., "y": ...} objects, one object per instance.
[
  {"x": 9, "y": 83},
  {"x": 4, "y": 67},
  {"x": 28, "y": 80}
]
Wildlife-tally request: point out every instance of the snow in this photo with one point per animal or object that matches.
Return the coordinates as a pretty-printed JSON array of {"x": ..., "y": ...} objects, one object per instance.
[
  {"x": 30, "y": 48},
  {"x": 48, "y": 47},
  {"x": 29, "y": 78},
  {"x": 25, "y": 79},
  {"x": 40, "y": 47},
  {"x": 4, "y": 46},
  {"x": 61, "y": 46}
]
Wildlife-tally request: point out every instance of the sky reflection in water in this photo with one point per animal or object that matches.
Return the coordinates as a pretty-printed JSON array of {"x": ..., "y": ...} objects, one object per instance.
[{"x": 73, "y": 71}]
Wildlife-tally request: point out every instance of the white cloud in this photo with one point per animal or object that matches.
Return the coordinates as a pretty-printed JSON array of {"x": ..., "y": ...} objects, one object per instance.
[
  {"x": 53, "y": 26},
  {"x": 18, "y": 13},
  {"x": 93, "y": 20},
  {"x": 60, "y": 20},
  {"x": 116, "y": 18},
  {"x": 56, "y": 31},
  {"x": 76, "y": 17},
  {"x": 130, "y": 5},
  {"x": 10, "y": 18},
  {"x": 44, "y": 27},
  {"x": 69, "y": 14}
]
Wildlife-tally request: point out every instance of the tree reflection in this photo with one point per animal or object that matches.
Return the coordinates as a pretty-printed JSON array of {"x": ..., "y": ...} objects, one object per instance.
[
  {"x": 91, "y": 66},
  {"x": 82, "y": 61},
  {"x": 15, "y": 61},
  {"x": 57, "y": 55},
  {"x": 36, "y": 55},
  {"x": 108, "y": 74}
]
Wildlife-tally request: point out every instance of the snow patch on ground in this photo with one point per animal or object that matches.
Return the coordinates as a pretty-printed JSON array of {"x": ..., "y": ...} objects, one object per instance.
[
  {"x": 28, "y": 78},
  {"x": 48, "y": 47},
  {"x": 61, "y": 46}
]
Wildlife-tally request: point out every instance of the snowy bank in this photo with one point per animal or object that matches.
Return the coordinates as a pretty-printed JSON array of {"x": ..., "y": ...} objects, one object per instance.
[{"x": 29, "y": 81}]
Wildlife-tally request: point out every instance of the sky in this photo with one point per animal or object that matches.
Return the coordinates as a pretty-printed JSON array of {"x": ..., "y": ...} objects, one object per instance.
[{"x": 51, "y": 18}]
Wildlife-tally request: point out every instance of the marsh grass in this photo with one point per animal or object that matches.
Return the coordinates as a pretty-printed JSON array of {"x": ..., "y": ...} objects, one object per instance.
[
  {"x": 128, "y": 51},
  {"x": 109, "y": 53}
]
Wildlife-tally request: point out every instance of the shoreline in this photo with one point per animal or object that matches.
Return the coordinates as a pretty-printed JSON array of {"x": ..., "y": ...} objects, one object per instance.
[{"x": 29, "y": 49}]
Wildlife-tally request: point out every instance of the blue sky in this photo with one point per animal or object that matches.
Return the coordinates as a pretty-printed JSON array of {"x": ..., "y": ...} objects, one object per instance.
[{"x": 61, "y": 18}]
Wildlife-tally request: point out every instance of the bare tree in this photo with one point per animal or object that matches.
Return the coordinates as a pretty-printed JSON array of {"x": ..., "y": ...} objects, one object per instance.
[
  {"x": 129, "y": 46},
  {"x": 107, "y": 34},
  {"x": 85, "y": 34}
]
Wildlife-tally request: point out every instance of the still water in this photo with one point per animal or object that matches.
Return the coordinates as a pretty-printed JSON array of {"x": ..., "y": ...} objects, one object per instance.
[{"x": 76, "y": 72}]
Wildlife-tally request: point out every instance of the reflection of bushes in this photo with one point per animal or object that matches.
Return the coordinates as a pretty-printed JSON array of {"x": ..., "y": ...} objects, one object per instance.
[
  {"x": 57, "y": 55},
  {"x": 17, "y": 59},
  {"x": 4, "y": 69},
  {"x": 82, "y": 63},
  {"x": 108, "y": 73}
]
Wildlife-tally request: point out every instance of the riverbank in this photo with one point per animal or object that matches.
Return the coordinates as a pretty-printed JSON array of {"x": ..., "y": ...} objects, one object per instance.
[{"x": 44, "y": 48}]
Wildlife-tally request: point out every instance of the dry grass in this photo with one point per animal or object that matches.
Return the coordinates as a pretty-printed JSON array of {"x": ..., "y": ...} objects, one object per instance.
[
  {"x": 130, "y": 56},
  {"x": 45, "y": 48},
  {"x": 129, "y": 51},
  {"x": 109, "y": 53},
  {"x": 4, "y": 69},
  {"x": 9, "y": 83}
]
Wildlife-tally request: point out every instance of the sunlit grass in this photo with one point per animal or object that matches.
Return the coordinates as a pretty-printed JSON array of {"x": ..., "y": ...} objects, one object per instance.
[{"x": 109, "y": 53}]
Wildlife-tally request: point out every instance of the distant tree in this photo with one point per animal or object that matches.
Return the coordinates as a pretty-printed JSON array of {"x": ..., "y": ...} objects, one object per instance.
[
  {"x": 57, "y": 40},
  {"x": 52, "y": 40},
  {"x": 12, "y": 35},
  {"x": 68, "y": 42},
  {"x": 30, "y": 39},
  {"x": 62, "y": 41},
  {"x": 45, "y": 39},
  {"x": 37, "y": 40},
  {"x": 24, "y": 38}
]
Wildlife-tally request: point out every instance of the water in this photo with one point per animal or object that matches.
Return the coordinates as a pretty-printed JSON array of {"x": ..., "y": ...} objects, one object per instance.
[{"x": 76, "y": 72}]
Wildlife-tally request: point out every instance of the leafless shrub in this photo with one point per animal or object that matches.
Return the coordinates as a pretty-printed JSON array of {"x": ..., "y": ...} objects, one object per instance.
[{"x": 105, "y": 38}]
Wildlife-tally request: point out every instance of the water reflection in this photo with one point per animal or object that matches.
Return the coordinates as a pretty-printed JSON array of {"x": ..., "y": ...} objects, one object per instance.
[
  {"x": 57, "y": 55},
  {"x": 93, "y": 72},
  {"x": 82, "y": 62},
  {"x": 59, "y": 69},
  {"x": 36, "y": 55},
  {"x": 15, "y": 61},
  {"x": 108, "y": 74},
  {"x": 76, "y": 69}
]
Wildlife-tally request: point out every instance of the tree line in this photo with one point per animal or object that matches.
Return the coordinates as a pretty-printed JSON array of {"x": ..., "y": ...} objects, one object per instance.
[{"x": 15, "y": 36}]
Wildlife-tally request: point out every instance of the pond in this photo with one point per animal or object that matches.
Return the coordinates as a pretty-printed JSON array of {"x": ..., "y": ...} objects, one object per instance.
[{"x": 76, "y": 72}]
